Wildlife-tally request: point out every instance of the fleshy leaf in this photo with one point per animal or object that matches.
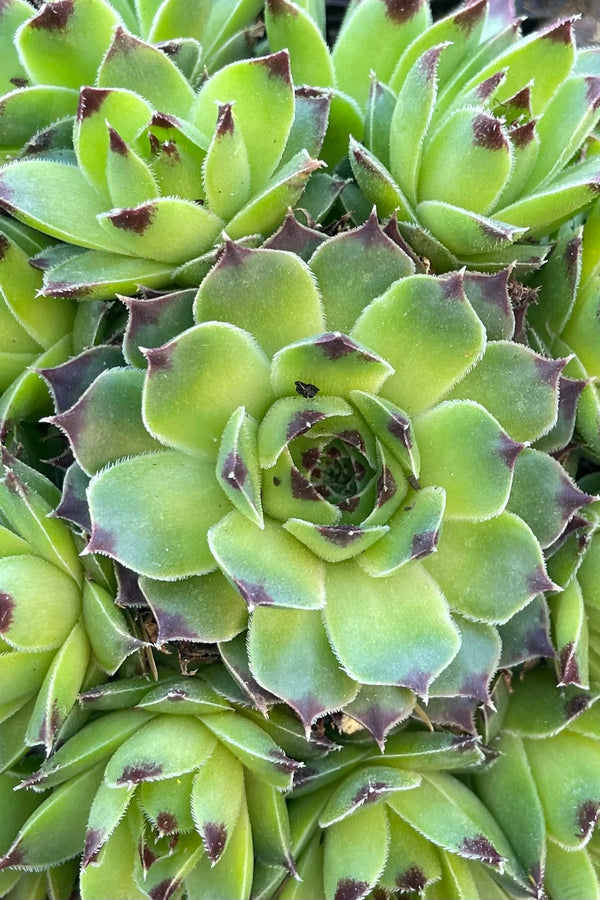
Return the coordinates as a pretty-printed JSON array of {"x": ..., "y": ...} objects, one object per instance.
[
  {"x": 267, "y": 567},
  {"x": 166, "y": 804},
  {"x": 233, "y": 878},
  {"x": 254, "y": 85},
  {"x": 290, "y": 27},
  {"x": 571, "y": 636},
  {"x": 518, "y": 387},
  {"x": 154, "y": 320},
  {"x": 200, "y": 608},
  {"x": 106, "y": 423},
  {"x": 377, "y": 184},
  {"x": 192, "y": 374},
  {"x": 427, "y": 330},
  {"x": 414, "y": 532},
  {"x": 216, "y": 800},
  {"x": 378, "y": 708},
  {"x": 238, "y": 471},
  {"x": 268, "y": 813},
  {"x": 332, "y": 361},
  {"x": 526, "y": 635},
  {"x": 129, "y": 179},
  {"x": 107, "y": 628},
  {"x": 413, "y": 862},
  {"x": 163, "y": 748},
  {"x": 467, "y": 233},
  {"x": 99, "y": 275},
  {"x": 392, "y": 427},
  {"x": 140, "y": 67},
  {"x": 470, "y": 672},
  {"x": 392, "y": 631},
  {"x": 335, "y": 543},
  {"x": 156, "y": 544},
  {"x": 286, "y": 493},
  {"x": 489, "y": 570},
  {"x": 27, "y": 110},
  {"x": 279, "y": 302},
  {"x": 476, "y": 465},
  {"x": 191, "y": 695},
  {"x": 488, "y": 295},
  {"x": 226, "y": 168},
  {"x": 537, "y": 710},
  {"x": 352, "y": 864},
  {"x": 365, "y": 786},
  {"x": 290, "y": 656}
]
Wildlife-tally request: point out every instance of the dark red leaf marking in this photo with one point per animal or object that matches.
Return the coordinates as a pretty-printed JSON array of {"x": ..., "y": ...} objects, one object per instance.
[
  {"x": 481, "y": 848},
  {"x": 412, "y": 879},
  {"x": 234, "y": 471},
  {"x": 283, "y": 763},
  {"x": 336, "y": 346},
  {"x": 90, "y": 101},
  {"x": 7, "y": 606},
  {"x": 369, "y": 793},
  {"x": 399, "y": 426},
  {"x": 147, "y": 856},
  {"x": 166, "y": 823},
  {"x": 487, "y": 87},
  {"x": 117, "y": 144},
  {"x": 386, "y": 486},
  {"x": 53, "y": 16},
  {"x": 341, "y": 535},
  {"x": 137, "y": 774},
  {"x": 521, "y": 100},
  {"x": 592, "y": 94},
  {"x": 468, "y": 18},
  {"x": 225, "y": 123},
  {"x": 15, "y": 857},
  {"x": 4, "y": 246},
  {"x": 487, "y": 133},
  {"x": 164, "y": 120},
  {"x": 538, "y": 582},
  {"x": 301, "y": 488},
  {"x": 350, "y": 888},
  {"x": 164, "y": 889},
  {"x": 417, "y": 680},
  {"x": 353, "y": 438},
  {"x": 560, "y": 32},
  {"x": 475, "y": 685},
  {"x": 94, "y": 840},
  {"x": 429, "y": 61},
  {"x": 253, "y": 594},
  {"x": 101, "y": 541},
  {"x": 310, "y": 458},
  {"x": 278, "y": 66},
  {"x": 173, "y": 626},
  {"x": 399, "y": 11},
  {"x": 509, "y": 449},
  {"x": 123, "y": 42},
  {"x": 136, "y": 220},
  {"x": 587, "y": 816},
  {"x": 214, "y": 838},
  {"x": 423, "y": 544},
  {"x": 302, "y": 421},
  {"x": 522, "y": 135},
  {"x": 569, "y": 670},
  {"x": 576, "y": 705},
  {"x": 548, "y": 370},
  {"x": 49, "y": 727},
  {"x": 349, "y": 504}
]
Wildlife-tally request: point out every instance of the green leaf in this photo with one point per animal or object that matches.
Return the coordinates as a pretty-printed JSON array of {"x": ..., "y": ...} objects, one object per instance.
[
  {"x": 194, "y": 374},
  {"x": 268, "y": 566},
  {"x": 413, "y": 862},
  {"x": 290, "y": 27},
  {"x": 217, "y": 800},
  {"x": 488, "y": 295},
  {"x": 389, "y": 631},
  {"x": 254, "y": 748},
  {"x": 22, "y": 674},
  {"x": 255, "y": 85},
  {"x": 427, "y": 330},
  {"x": 106, "y": 423},
  {"x": 410, "y": 121},
  {"x": 467, "y": 233},
  {"x": 133, "y": 64},
  {"x": 97, "y": 275},
  {"x": 311, "y": 118},
  {"x": 571, "y": 874},
  {"x": 489, "y": 570},
  {"x": 268, "y": 813},
  {"x": 335, "y": 543},
  {"x": 431, "y": 751},
  {"x": 156, "y": 543},
  {"x": 108, "y": 807},
  {"x": 114, "y": 869},
  {"x": 42, "y": 603},
  {"x": 191, "y": 695},
  {"x": 352, "y": 864},
  {"x": 379, "y": 112},
  {"x": 377, "y": 184},
  {"x": 25, "y": 111},
  {"x": 50, "y": 42},
  {"x": 201, "y": 608},
  {"x": 163, "y": 748},
  {"x": 238, "y": 471},
  {"x": 291, "y": 657},
  {"x": 471, "y": 671},
  {"x": 280, "y": 301},
  {"x": 15, "y": 13},
  {"x": 106, "y": 626},
  {"x": 286, "y": 493},
  {"x": 55, "y": 830},
  {"x": 68, "y": 208},
  {"x": 365, "y": 786},
  {"x": 537, "y": 710},
  {"x": 233, "y": 877},
  {"x": 129, "y": 180},
  {"x": 227, "y": 168},
  {"x": 166, "y": 804},
  {"x": 59, "y": 691},
  {"x": 155, "y": 320},
  {"x": 378, "y": 708},
  {"x": 372, "y": 39},
  {"x": 476, "y": 463}
]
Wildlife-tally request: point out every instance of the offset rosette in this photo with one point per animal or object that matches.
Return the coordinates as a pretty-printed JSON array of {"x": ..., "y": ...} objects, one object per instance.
[{"x": 351, "y": 490}]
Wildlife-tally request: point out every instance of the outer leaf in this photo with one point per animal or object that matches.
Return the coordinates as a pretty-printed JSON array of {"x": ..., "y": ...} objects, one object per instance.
[
  {"x": 107, "y": 809},
  {"x": 26, "y": 110},
  {"x": 377, "y": 184},
  {"x": 158, "y": 545},
  {"x": 280, "y": 301},
  {"x": 468, "y": 234},
  {"x": 233, "y": 877},
  {"x": 290, "y": 656},
  {"x": 227, "y": 168},
  {"x": 571, "y": 874},
  {"x": 217, "y": 800},
  {"x": 396, "y": 631},
  {"x": 290, "y": 27},
  {"x": 363, "y": 787},
  {"x": 270, "y": 823},
  {"x": 412, "y": 863},
  {"x": 112, "y": 874},
  {"x": 267, "y": 567},
  {"x": 166, "y": 804},
  {"x": 109, "y": 635},
  {"x": 489, "y": 570},
  {"x": 427, "y": 330}
]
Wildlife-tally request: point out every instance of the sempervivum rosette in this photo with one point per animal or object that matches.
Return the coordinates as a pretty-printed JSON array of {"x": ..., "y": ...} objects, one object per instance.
[{"x": 354, "y": 489}]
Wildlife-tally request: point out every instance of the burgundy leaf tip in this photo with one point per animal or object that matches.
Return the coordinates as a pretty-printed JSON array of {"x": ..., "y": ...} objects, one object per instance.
[
  {"x": 283, "y": 763},
  {"x": 522, "y": 135},
  {"x": 164, "y": 889},
  {"x": 137, "y": 774},
  {"x": 480, "y": 847},
  {"x": 487, "y": 87},
  {"x": 469, "y": 17},
  {"x": 549, "y": 370},
  {"x": 117, "y": 144},
  {"x": 386, "y": 487},
  {"x": 302, "y": 489},
  {"x": 137, "y": 220},
  {"x": 587, "y": 816},
  {"x": 234, "y": 471},
  {"x": 412, "y": 879},
  {"x": 509, "y": 449},
  {"x": 94, "y": 839},
  {"x": 401, "y": 11},
  {"x": 488, "y": 133},
  {"x": 592, "y": 93},
  {"x": 53, "y": 16},
  {"x": 335, "y": 346},
  {"x": 350, "y": 888},
  {"x": 452, "y": 286},
  {"x": 14, "y": 857},
  {"x": 7, "y": 607},
  {"x": 424, "y": 544},
  {"x": 560, "y": 32},
  {"x": 4, "y": 246},
  {"x": 225, "y": 123},
  {"x": 166, "y": 823},
  {"x": 569, "y": 670},
  {"x": 538, "y": 582},
  {"x": 101, "y": 541},
  {"x": 429, "y": 60},
  {"x": 214, "y": 838},
  {"x": 302, "y": 421},
  {"x": 278, "y": 65},
  {"x": 253, "y": 594},
  {"x": 399, "y": 426},
  {"x": 90, "y": 101},
  {"x": 340, "y": 535},
  {"x": 577, "y": 704},
  {"x": 159, "y": 358}
]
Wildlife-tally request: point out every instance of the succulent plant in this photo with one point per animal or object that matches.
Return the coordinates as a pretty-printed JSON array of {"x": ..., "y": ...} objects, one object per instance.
[
  {"x": 474, "y": 155},
  {"x": 159, "y": 171},
  {"x": 59, "y": 628}
]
